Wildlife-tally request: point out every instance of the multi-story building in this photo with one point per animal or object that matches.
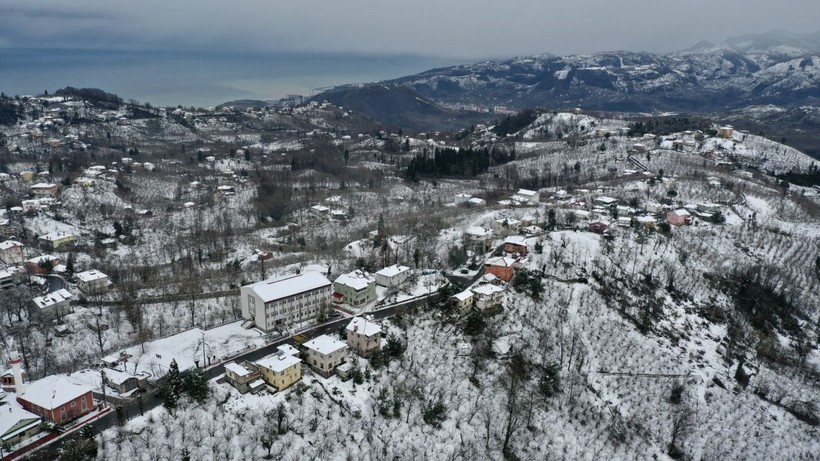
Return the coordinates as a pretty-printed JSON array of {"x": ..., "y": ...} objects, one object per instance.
[
  {"x": 356, "y": 289},
  {"x": 364, "y": 336},
  {"x": 278, "y": 302},
  {"x": 53, "y": 305},
  {"x": 280, "y": 370},
  {"x": 11, "y": 252},
  {"x": 93, "y": 281},
  {"x": 324, "y": 354},
  {"x": 245, "y": 377}
]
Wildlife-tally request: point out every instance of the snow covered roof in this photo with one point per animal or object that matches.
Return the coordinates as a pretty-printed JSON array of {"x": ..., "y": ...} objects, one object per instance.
[
  {"x": 237, "y": 369},
  {"x": 90, "y": 276},
  {"x": 392, "y": 271},
  {"x": 363, "y": 327},
  {"x": 500, "y": 261},
  {"x": 14, "y": 416},
  {"x": 288, "y": 349},
  {"x": 516, "y": 240},
  {"x": 53, "y": 298},
  {"x": 605, "y": 199},
  {"x": 119, "y": 377},
  {"x": 9, "y": 244},
  {"x": 325, "y": 345},
  {"x": 358, "y": 280},
  {"x": 487, "y": 289},
  {"x": 526, "y": 193},
  {"x": 478, "y": 231},
  {"x": 53, "y": 391},
  {"x": 464, "y": 295},
  {"x": 681, "y": 212},
  {"x": 43, "y": 186},
  {"x": 289, "y": 285},
  {"x": 59, "y": 235},
  {"x": 278, "y": 362}
]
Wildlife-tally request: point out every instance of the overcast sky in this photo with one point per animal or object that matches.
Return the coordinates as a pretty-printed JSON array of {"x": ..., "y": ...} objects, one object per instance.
[{"x": 474, "y": 29}]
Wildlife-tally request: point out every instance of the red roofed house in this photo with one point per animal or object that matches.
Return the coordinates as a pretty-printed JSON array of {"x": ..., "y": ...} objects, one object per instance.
[
  {"x": 599, "y": 227},
  {"x": 56, "y": 398}
]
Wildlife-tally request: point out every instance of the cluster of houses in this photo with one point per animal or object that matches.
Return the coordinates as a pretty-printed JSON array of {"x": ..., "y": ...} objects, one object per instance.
[
  {"x": 55, "y": 303},
  {"x": 280, "y": 303},
  {"x": 325, "y": 355},
  {"x": 333, "y": 208}
]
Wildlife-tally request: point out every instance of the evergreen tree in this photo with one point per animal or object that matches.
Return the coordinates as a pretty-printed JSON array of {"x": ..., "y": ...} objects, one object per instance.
[{"x": 195, "y": 384}]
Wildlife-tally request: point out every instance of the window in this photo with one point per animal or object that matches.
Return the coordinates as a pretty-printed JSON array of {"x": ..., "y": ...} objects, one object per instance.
[
  {"x": 84, "y": 406},
  {"x": 73, "y": 404}
]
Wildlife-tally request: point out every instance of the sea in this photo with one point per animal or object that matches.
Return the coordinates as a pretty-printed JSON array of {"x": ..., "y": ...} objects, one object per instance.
[{"x": 199, "y": 79}]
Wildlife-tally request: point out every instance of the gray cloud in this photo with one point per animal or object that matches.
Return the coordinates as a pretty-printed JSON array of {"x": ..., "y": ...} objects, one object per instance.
[{"x": 472, "y": 29}]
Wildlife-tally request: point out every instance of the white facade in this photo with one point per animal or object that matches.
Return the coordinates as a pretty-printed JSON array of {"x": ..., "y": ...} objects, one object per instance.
[
  {"x": 11, "y": 252},
  {"x": 92, "y": 281},
  {"x": 393, "y": 276},
  {"x": 324, "y": 354},
  {"x": 282, "y": 301}
]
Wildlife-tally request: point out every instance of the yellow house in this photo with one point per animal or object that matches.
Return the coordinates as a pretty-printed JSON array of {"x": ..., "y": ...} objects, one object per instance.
[
  {"x": 57, "y": 240},
  {"x": 281, "y": 370}
]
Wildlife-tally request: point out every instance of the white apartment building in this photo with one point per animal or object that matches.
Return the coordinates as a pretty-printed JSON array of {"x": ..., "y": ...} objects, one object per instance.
[{"x": 282, "y": 301}]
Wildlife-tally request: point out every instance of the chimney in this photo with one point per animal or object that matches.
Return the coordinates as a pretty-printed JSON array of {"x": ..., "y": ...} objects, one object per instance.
[{"x": 15, "y": 362}]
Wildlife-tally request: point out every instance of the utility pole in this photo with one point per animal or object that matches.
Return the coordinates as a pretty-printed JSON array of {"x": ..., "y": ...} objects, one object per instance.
[{"x": 204, "y": 361}]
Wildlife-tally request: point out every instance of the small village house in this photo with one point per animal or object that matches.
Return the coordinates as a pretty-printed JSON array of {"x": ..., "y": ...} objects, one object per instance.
[
  {"x": 679, "y": 217},
  {"x": 124, "y": 382},
  {"x": 393, "y": 276},
  {"x": 356, "y": 289},
  {"x": 488, "y": 297},
  {"x": 11, "y": 252},
  {"x": 474, "y": 236},
  {"x": 605, "y": 201},
  {"x": 364, "y": 336},
  {"x": 17, "y": 424},
  {"x": 41, "y": 264},
  {"x": 526, "y": 196},
  {"x": 461, "y": 199},
  {"x": 92, "y": 282},
  {"x": 45, "y": 190},
  {"x": 462, "y": 301},
  {"x": 58, "y": 240},
  {"x": 53, "y": 305},
  {"x": 56, "y": 398},
  {"x": 324, "y": 354},
  {"x": 280, "y": 370},
  {"x": 515, "y": 244},
  {"x": 245, "y": 377},
  {"x": 599, "y": 227},
  {"x": 726, "y": 131},
  {"x": 501, "y": 266}
]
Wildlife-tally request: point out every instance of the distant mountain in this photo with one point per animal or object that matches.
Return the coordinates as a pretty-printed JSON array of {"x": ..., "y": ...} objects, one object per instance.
[{"x": 773, "y": 68}]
